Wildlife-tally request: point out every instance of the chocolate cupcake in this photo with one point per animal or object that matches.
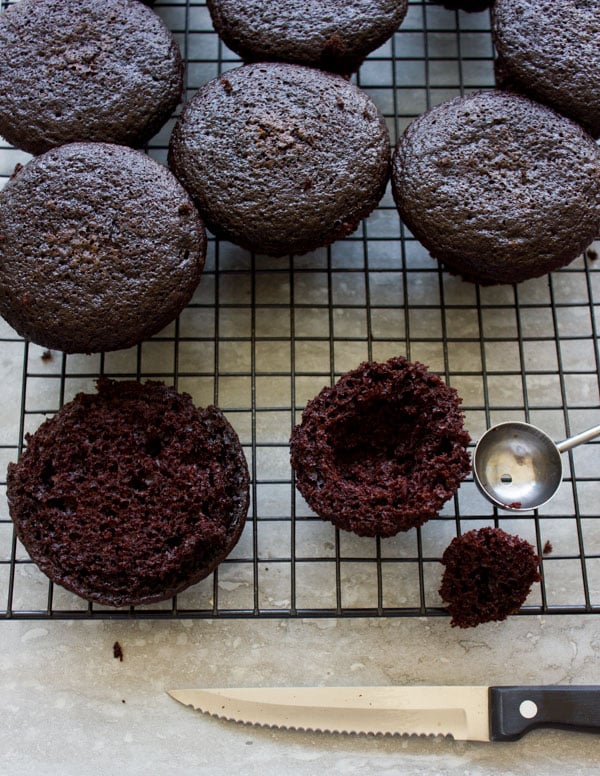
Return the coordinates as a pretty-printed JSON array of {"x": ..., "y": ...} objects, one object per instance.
[
  {"x": 130, "y": 495},
  {"x": 301, "y": 158},
  {"x": 100, "y": 247},
  {"x": 488, "y": 575},
  {"x": 336, "y": 38},
  {"x": 93, "y": 70},
  {"x": 497, "y": 187},
  {"x": 550, "y": 52},
  {"x": 382, "y": 450}
]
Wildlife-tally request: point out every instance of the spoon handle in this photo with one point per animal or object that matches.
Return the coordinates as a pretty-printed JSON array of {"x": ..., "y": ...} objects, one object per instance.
[{"x": 578, "y": 439}]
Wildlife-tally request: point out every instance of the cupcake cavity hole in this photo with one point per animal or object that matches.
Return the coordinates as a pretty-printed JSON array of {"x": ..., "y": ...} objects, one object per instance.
[{"x": 376, "y": 439}]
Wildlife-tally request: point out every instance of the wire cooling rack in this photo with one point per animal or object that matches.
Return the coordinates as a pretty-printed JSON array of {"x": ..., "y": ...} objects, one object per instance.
[{"x": 262, "y": 336}]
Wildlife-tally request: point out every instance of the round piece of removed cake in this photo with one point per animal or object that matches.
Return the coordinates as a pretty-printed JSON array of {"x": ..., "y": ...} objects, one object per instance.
[
  {"x": 488, "y": 574},
  {"x": 130, "y": 495}
]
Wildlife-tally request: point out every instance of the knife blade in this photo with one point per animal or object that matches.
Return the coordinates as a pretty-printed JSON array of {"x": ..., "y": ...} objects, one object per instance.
[{"x": 466, "y": 713}]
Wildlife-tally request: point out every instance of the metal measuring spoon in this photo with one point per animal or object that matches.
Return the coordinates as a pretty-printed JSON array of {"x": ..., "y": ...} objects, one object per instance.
[{"x": 518, "y": 467}]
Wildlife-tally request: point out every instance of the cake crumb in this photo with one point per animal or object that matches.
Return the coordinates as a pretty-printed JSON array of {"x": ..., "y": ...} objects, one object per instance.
[
  {"x": 547, "y": 547},
  {"x": 46, "y": 355},
  {"x": 592, "y": 254},
  {"x": 117, "y": 651}
]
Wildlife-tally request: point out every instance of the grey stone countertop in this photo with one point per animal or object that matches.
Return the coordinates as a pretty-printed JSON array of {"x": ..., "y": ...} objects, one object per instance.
[{"x": 69, "y": 706}]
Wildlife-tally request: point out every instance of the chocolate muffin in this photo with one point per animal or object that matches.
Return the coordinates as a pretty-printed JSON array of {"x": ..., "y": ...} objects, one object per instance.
[
  {"x": 497, "y": 187},
  {"x": 93, "y": 70},
  {"x": 382, "y": 450},
  {"x": 550, "y": 51},
  {"x": 100, "y": 247},
  {"x": 488, "y": 575},
  {"x": 337, "y": 38},
  {"x": 130, "y": 495},
  {"x": 301, "y": 158}
]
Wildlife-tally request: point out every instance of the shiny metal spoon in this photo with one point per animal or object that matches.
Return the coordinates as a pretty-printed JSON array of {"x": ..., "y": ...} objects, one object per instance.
[{"x": 518, "y": 467}]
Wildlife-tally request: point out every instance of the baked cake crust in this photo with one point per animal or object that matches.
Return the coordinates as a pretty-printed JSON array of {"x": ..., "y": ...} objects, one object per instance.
[
  {"x": 337, "y": 37},
  {"x": 85, "y": 70},
  {"x": 302, "y": 158},
  {"x": 101, "y": 248},
  {"x": 549, "y": 50},
  {"x": 497, "y": 187}
]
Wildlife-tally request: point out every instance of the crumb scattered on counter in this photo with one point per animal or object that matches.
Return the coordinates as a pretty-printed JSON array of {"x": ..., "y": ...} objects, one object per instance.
[
  {"x": 547, "y": 547},
  {"x": 46, "y": 355},
  {"x": 592, "y": 254},
  {"x": 118, "y": 652}
]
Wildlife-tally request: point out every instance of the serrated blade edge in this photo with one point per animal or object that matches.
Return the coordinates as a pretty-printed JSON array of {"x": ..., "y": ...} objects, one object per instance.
[{"x": 460, "y": 712}]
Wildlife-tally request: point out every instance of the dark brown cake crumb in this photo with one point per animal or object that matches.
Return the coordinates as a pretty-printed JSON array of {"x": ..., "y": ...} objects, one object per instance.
[
  {"x": 592, "y": 254},
  {"x": 382, "y": 450},
  {"x": 46, "y": 355},
  {"x": 118, "y": 652},
  {"x": 130, "y": 495},
  {"x": 488, "y": 575},
  {"x": 548, "y": 547}
]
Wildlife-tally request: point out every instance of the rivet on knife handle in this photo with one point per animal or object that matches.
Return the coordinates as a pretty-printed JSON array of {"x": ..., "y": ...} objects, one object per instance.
[{"x": 516, "y": 710}]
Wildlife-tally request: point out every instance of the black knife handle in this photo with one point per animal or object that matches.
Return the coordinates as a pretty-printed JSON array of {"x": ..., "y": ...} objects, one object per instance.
[{"x": 516, "y": 710}]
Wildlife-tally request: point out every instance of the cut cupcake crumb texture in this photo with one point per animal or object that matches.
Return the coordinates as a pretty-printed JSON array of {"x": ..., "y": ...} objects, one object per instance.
[
  {"x": 488, "y": 575},
  {"x": 382, "y": 450}
]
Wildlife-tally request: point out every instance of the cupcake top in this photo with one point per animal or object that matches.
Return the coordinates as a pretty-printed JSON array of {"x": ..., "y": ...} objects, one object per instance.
[
  {"x": 334, "y": 36},
  {"x": 301, "y": 158},
  {"x": 130, "y": 495},
  {"x": 498, "y": 187},
  {"x": 550, "y": 52},
  {"x": 101, "y": 248},
  {"x": 93, "y": 70}
]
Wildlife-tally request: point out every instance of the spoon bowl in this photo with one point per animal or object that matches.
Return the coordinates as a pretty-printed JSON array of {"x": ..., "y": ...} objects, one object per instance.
[{"x": 517, "y": 466}]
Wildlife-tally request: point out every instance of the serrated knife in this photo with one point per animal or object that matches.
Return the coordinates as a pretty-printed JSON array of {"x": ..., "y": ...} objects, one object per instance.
[{"x": 467, "y": 713}]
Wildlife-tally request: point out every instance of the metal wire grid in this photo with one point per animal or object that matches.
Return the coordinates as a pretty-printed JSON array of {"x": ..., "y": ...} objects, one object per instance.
[{"x": 263, "y": 336}]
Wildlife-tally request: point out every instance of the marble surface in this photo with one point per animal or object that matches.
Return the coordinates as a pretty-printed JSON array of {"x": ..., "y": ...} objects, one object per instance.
[{"x": 69, "y": 707}]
